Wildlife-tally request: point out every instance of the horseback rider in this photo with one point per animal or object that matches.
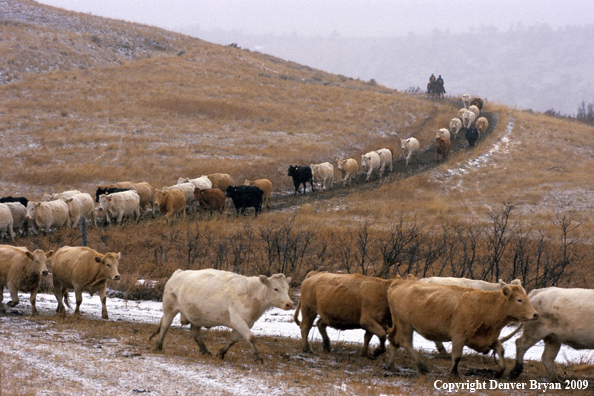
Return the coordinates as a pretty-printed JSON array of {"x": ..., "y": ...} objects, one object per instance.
[
  {"x": 432, "y": 78},
  {"x": 440, "y": 82}
]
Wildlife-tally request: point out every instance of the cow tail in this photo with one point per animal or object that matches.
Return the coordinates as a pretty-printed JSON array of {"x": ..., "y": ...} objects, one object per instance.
[
  {"x": 65, "y": 298},
  {"x": 157, "y": 331},
  {"x": 507, "y": 337},
  {"x": 296, "y": 315}
]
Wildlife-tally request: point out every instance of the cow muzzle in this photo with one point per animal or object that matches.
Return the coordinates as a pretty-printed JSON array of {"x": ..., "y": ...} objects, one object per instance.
[
  {"x": 116, "y": 277},
  {"x": 44, "y": 273},
  {"x": 288, "y": 306},
  {"x": 534, "y": 316}
]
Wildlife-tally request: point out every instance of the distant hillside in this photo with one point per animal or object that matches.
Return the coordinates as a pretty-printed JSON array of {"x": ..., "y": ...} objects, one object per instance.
[{"x": 532, "y": 68}]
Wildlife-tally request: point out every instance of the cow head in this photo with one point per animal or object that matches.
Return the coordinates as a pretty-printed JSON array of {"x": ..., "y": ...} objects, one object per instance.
[
  {"x": 248, "y": 182},
  {"x": 341, "y": 164},
  {"x": 518, "y": 305},
  {"x": 365, "y": 162},
  {"x": 183, "y": 180},
  {"x": 39, "y": 261},
  {"x": 231, "y": 192},
  {"x": 403, "y": 143},
  {"x": 160, "y": 195},
  {"x": 30, "y": 211},
  {"x": 197, "y": 194},
  {"x": 277, "y": 291},
  {"x": 109, "y": 265},
  {"x": 293, "y": 170}
]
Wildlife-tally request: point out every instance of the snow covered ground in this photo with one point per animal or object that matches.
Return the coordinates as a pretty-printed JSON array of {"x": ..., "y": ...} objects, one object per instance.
[{"x": 274, "y": 322}]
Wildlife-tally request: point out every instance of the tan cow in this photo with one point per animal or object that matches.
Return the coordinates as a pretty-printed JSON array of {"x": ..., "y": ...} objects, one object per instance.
[
  {"x": 323, "y": 174},
  {"x": 566, "y": 317},
  {"x": 83, "y": 269},
  {"x": 265, "y": 185},
  {"x": 45, "y": 215},
  {"x": 347, "y": 168},
  {"x": 442, "y": 132},
  {"x": 120, "y": 204},
  {"x": 22, "y": 270},
  {"x": 80, "y": 205},
  {"x": 171, "y": 202},
  {"x": 344, "y": 302},
  {"x": 467, "y": 317},
  {"x": 209, "y": 298},
  {"x": 221, "y": 181},
  {"x": 442, "y": 147},
  {"x": 475, "y": 110},
  {"x": 146, "y": 193},
  {"x": 474, "y": 284},
  {"x": 187, "y": 188},
  {"x": 6, "y": 222},
  {"x": 409, "y": 146},
  {"x": 482, "y": 124},
  {"x": 211, "y": 199}
]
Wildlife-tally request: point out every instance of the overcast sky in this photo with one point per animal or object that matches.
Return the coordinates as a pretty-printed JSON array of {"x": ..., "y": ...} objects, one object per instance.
[{"x": 350, "y": 18}]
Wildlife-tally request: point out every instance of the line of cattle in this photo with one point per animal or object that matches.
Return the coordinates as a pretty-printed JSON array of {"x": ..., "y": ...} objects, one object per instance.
[
  {"x": 466, "y": 312},
  {"x": 121, "y": 199}
]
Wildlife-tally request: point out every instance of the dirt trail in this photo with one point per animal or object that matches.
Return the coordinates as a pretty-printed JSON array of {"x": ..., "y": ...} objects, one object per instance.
[{"x": 400, "y": 171}]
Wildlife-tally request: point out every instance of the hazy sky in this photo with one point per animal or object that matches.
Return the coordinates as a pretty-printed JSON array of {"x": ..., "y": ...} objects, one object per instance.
[{"x": 352, "y": 18}]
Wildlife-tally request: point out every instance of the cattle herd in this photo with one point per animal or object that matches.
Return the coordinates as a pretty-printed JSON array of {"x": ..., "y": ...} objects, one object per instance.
[{"x": 466, "y": 312}]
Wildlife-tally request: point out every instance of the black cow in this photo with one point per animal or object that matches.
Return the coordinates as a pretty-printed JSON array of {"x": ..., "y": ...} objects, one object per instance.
[
  {"x": 472, "y": 135},
  {"x": 246, "y": 197},
  {"x": 301, "y": 175},
  {"x": 24, "y": 201},
  {"x": 111, "y": 190}
]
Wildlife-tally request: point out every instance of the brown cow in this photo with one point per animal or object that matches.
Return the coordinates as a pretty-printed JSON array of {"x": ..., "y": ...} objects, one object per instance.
[
  {"x": 462, "y": 315},
  {"x": 221, "y": 181},
  {"x": 211, "y": 199},
  {"x": 83, "y": 269},
  {"x": 171, "y": 202},
  {"x": 22, "y": 270},
  {"x": 344, "y": 302},
  {"x": 265, "y": 185},
  {"x": 442, "y": 147}
]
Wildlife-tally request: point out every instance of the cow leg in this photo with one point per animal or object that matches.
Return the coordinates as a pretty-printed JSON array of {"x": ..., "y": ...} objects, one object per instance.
[
  {"x": 522, "y": 345},
  {"x": 59, "y": 296},
  {"x": 405, "y": 339},
  {"x": 14, "y": 294},
  {"x": 195, "y": 331},
  {"x": 2, "y": 309},
  {"x": 325, "y": 339},
  {"x": 498, "y": 348},
  {"x": 548, "y": 358},
  {"x": 79, "y": 298},
  {"x": 241, "y": 329},
  {"x": 307, "y": 319},
  {"x": 33, "y": 301},
  {"x": 373, "y": 327},
  {"x": 120, "y": 217},
  {"x": 103, "y": 295},
  {"x": 457, "y": 348}
]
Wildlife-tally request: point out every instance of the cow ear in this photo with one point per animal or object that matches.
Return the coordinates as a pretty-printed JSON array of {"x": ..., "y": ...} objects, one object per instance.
[
  {"x": 506, "y": 291},
  {"x": 516, "y": 282},
  {"x": 98, "y": 259},
  {"x": 264, "y": 279},
  {"x": 502, "y": 283},
  {"x": 119, "y": 255},
  {"x": 50, "y": 254},
  {"x": 29, "y": 254},
  {"x": 289, "y": 279}
]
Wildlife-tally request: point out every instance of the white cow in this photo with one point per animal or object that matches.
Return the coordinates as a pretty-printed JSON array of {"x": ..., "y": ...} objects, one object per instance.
[
  {"x": 202, "y": 182},
  {"x": 5, "y": 222},
  {"x": 461, "y": 112},
  {"x": 62, "y": 195},
  {"x": 566, "y": 317},
  {"x": 120, "y": 204},
  {"x": 443, "y": 133},
  {"x": 44, "y": 215},
  {"x": 385, "y": 156},
  {"x": 209, "y": 298},
  {"x": 468, "y": 119},
  {"x": 348, "y": 168},
  {"x": 370, "y": 162},
  {"x": 323, "y": 174},
  {"x": 187, "y": 188},
  {"x": 409, "y": 146},
  {"x": 482, "y": 124},
  {"x": 19, "y": 214},
  {"x": 475, "y": 110},
  {"x": 455, "y": 126},
  {"x": 80, "y": 205},
  {"x": 466, "y": 100}
]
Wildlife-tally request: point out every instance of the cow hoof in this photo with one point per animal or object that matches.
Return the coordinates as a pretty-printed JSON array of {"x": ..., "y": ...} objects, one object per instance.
[
  {"x": 516, "y": 371},
  {"x": 221, "y": 355},
  {"x": 11, "y": 303}
]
